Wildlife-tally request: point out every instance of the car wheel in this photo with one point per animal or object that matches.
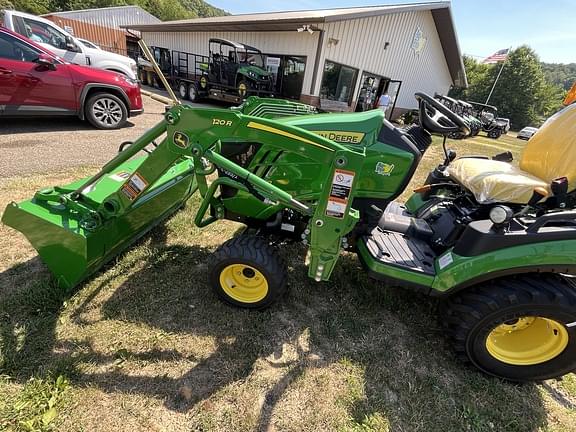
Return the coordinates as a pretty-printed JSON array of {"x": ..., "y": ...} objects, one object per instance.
[{"x": 106, "y": 111}]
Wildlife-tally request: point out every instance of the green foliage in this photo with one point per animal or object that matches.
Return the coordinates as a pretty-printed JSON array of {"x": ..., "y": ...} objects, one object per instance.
[
  {"x": 560, "y": 74},
  {"x": 166, "y": 10},
  {"x": 522, "y": 94},
  {"x": 36, "y": 406}
]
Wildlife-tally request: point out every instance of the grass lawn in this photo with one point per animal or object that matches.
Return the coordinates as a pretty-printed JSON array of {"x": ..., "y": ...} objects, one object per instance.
[{"x": 145, "y": 345}]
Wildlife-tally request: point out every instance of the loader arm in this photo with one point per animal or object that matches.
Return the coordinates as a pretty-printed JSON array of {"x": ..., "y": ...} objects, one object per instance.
[{"x": 186, "y": 148}]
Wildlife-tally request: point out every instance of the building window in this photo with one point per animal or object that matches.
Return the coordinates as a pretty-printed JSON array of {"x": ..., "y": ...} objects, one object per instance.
[{"x": 338, "y": 82}]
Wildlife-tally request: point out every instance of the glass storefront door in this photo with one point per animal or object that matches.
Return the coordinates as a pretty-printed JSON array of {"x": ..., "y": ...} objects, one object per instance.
[
  {"x": 369, "y": 86},
  {"x": 287, "y": 74}
]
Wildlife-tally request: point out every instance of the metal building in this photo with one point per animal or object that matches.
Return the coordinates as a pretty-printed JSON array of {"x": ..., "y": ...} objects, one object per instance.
[
  {"x": 342, "y": 59},
  {"x": 105, "y": 26}
]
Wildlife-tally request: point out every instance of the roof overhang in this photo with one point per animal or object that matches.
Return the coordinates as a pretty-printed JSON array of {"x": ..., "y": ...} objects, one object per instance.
[{"x": 449, "y": 40}]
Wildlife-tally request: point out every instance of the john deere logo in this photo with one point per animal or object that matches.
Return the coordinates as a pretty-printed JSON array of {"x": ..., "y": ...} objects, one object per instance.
[
  {"x": 180, "y": 139},
  {"x": 384, "y": 169},
  {"x": 203, "y": 82}
]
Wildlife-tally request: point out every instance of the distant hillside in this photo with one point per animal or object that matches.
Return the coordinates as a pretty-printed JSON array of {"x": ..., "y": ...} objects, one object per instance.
[
  {"x": 166, "y": 10},
  {"x": 560, "y": 74}
]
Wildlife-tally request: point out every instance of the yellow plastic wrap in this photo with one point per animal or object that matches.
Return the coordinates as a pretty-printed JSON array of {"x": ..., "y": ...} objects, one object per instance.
[
  {"x": 551, "y": 152},
  {"x": 493, "y": 181}
]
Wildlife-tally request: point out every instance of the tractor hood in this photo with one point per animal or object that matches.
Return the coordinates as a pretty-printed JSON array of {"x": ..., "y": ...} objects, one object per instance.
[{"x": 254, "y": 72}]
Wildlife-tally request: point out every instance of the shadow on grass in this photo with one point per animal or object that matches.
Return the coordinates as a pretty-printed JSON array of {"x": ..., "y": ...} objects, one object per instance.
[{"x": 408, "y": 377}]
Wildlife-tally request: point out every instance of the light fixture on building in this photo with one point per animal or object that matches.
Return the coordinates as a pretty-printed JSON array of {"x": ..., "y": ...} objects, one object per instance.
[
  {"x": 386, "y": 45},
  {"x": 333, "y": 42},
  {"x": 305, "y": 27}
]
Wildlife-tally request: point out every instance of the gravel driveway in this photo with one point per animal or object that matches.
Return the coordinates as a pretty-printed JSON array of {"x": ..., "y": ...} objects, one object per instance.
[{"x": 43, "y": 145}]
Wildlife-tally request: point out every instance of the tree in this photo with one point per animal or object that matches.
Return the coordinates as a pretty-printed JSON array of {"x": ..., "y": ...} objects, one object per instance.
[
  {"x": 522, "y": 93},
  {"x": 166, "y": 10}
]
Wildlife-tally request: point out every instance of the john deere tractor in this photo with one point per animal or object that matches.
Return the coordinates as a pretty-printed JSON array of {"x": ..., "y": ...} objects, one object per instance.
[{"x": 492, "y": 240}]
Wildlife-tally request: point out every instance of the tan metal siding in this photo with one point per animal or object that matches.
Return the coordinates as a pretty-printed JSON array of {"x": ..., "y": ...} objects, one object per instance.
[
  {"x": 106, "y": 37},
  {"x": 292, "y": 43},
  {"x": 361, "y": 45}
]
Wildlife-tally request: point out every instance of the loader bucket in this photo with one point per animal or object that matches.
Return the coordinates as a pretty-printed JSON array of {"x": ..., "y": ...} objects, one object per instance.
[{"x": 71, "y": 252}]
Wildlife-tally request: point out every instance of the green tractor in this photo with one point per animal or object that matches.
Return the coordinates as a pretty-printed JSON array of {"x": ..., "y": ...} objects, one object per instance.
[{"x": 492, "y": 241}]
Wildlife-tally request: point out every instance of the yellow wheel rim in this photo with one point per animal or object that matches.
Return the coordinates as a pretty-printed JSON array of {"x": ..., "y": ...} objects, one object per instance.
[
  {"x": 242, "y": 89},
  {"x": 243, "y": 283},
  {"x": 527, "y": 341}
]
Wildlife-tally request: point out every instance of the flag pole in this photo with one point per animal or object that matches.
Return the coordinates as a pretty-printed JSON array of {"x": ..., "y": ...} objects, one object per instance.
[{"x": 498, "y": 77}]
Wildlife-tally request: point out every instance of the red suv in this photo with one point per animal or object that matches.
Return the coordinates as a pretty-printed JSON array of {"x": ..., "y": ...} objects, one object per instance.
[{"x": 35, "y": 82}]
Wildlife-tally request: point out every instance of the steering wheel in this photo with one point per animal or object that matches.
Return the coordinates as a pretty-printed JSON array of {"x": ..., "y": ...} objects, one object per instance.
[{"x": 438, "y": 118}]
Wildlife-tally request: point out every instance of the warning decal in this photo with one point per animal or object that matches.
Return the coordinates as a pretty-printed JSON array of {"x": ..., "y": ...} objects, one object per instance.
[
  {"x": 339, "y": 193},
  {"x": 120, "y": 176},
  {"x": 134, "y": 186}
]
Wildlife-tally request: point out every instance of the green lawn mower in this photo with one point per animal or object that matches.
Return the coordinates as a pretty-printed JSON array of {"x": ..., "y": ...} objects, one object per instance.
[{"x": 490, "y": 239}]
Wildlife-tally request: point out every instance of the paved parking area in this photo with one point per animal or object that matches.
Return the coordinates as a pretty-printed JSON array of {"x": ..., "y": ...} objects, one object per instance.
[{"x": 40, "y": 145}]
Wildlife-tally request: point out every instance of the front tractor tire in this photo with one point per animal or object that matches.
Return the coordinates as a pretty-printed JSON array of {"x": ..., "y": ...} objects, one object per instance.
[
  {"x": 519, "y": 329},
  {"x": 247, "y": 272}
]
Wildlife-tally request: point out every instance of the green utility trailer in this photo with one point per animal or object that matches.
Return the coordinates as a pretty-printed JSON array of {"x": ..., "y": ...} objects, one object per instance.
[
  {"x": 231, "y": 72},
  {"x": 490, "y": 240}
]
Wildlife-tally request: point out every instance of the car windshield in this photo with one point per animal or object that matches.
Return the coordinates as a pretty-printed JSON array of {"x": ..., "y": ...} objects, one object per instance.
[{"x": 251, "y": 57}]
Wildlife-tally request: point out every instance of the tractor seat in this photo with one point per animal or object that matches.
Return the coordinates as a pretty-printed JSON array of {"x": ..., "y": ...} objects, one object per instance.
[{"x": 549, "y": 154}]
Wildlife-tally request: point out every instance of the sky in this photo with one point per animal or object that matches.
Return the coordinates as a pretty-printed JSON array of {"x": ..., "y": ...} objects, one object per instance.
[{"x": 483, "y": 26}]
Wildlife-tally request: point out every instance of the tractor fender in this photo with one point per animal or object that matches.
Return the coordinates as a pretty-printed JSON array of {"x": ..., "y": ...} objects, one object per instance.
[{"x": 455, "y": 273}]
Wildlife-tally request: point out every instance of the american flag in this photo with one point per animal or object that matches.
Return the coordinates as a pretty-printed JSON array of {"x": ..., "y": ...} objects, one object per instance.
[{"x": 498, "y": 56}]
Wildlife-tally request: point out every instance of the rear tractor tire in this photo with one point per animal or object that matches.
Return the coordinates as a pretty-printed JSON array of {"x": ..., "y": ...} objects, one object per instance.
[
  {"x": 519, "y": 329},
  {"x": 247, "y": 272}
]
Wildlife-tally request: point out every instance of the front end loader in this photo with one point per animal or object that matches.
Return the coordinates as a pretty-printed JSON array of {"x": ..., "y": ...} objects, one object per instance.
[{"x": 491, "y": 240}]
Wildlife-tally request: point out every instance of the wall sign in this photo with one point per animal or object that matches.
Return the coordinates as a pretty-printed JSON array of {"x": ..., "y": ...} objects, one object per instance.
[
  {"x": 418, "y": 42},
  {"x": 273, "y": 61}
]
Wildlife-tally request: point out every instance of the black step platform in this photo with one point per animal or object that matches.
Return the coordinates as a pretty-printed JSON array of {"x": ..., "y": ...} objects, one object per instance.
[{"x": 397, "y": 249}]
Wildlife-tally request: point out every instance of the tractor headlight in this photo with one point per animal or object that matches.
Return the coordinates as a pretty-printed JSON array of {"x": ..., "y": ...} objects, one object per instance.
[
  {"x": 252, "y": 74},
  {"x": 500, "y": 215}
]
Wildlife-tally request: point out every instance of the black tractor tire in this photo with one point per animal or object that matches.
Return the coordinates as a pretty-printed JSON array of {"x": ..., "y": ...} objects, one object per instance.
[
  {"x": 247, "y": 272},
  {"x": 105, "y": 111},
  {"x": 183, "y": 90},
  {"x": 518, "y": 328},
  {"x": 494, "y": 133},
  {"x": 193, "y": 95}
]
